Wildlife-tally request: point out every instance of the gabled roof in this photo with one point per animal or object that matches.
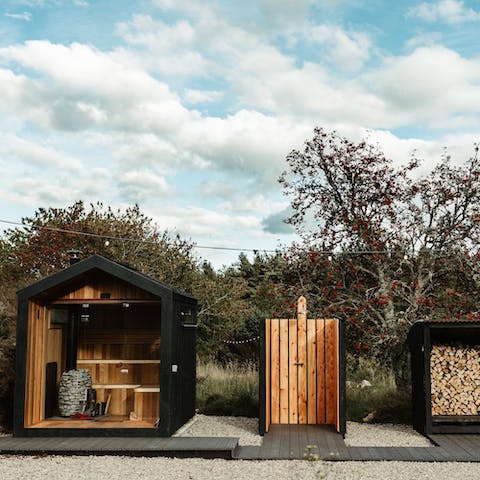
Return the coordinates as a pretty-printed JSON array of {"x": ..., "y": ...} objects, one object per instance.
[{"x": 102, "y": 264}]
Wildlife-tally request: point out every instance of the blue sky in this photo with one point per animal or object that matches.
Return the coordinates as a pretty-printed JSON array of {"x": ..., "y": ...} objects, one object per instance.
[{"x": 189, "y": 108}]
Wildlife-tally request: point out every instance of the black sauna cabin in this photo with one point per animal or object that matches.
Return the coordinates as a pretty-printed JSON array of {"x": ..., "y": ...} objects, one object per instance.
[
  {"x": 445, "y": 366},
  {"x": 134, "y": 335}
]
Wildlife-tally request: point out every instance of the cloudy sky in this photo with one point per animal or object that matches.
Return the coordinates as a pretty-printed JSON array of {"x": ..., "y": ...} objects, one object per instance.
[{"x": 189, "y": 107}]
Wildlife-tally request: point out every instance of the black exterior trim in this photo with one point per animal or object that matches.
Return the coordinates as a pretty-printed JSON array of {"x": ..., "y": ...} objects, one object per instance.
[
  {"x": 175, "y": 342},
  {"x": 420, "y": 339},
  {"x": 262, "y": 384}
]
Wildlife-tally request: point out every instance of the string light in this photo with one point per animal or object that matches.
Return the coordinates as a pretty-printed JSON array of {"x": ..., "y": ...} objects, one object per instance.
[{"x": 239, "y": 342}]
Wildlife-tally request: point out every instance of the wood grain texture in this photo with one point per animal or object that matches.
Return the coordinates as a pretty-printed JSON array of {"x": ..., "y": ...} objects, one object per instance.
[
  {"x": 268, "y": 387},
  {"x": 283, "y": 380},
  {"x": 321, "y": 418},
  {"x": 302, "y": 363},
  {"x": 91, "y": 287},
  {"x": 311, "y": 372},
  {"x": 302, "y": 370},
  {"x": 293, "y": 371},
  {"x": 275, "y": 371},
  {"x": 331, "y": 368},
  {"x": 35, "y": 371}
]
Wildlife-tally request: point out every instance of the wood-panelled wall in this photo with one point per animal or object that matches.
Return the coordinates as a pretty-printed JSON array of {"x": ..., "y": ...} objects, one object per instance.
[
  {"x": 97, "y": 285},
  {"x": 44, "y": 345},
  {"x": 35, "y": 371},
  {"x": 302, "y": 370}
]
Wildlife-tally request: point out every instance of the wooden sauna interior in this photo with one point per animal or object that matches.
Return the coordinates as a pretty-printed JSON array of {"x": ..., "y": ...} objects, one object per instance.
[{"x": 110, "y": 328}]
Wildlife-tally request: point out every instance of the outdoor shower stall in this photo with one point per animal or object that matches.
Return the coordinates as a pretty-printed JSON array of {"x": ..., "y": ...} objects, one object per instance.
[
  {"x": 131, "y": 335},
  {"x": 302, "y": 372}
]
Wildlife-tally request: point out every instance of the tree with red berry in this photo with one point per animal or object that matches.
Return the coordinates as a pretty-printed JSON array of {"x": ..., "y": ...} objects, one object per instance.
[{"x": 382, "y": 245}]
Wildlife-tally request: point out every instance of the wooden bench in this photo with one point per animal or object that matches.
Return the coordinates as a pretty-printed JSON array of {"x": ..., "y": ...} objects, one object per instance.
[{"x": 147, "y": 402}]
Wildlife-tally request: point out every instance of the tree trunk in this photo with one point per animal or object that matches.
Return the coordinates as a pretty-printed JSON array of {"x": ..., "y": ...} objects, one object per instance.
[{"x": 400, "y": 359}]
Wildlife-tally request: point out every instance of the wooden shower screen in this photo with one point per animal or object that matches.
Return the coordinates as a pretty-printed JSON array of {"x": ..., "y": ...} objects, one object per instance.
[{"x": 302, "y": 370}]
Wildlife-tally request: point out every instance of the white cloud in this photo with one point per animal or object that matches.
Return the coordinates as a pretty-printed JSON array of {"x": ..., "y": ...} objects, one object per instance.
[
  {"x": 80, "y": 87},
  {"x": 26, "y": 16},
  {"x": 449, "y": 11},
  {"x": 14, "y": 148},
  {"x": 432, "y": 84},
  {"x": 199, "y": 221},
  {"x": 349, "y": 50},
  {"x": 194, "y": 97},
  {"x": 139, "y": 185}
]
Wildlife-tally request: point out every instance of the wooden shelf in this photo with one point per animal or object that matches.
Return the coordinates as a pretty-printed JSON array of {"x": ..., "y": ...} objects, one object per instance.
[
  {"x": 104, "y": 386},
  {"x": 148, "y": 389},
  {"x": 112, "y": 362}
]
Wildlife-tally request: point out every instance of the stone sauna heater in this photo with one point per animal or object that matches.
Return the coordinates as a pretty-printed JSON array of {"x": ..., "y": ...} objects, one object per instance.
[{"x": 445, "y": 376}]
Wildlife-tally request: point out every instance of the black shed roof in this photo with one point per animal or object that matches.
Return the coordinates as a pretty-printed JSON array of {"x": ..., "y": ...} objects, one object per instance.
[{"x": 102, "y": 264}]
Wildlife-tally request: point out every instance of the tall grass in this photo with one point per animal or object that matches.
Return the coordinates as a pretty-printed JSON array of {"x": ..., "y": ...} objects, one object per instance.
[
  {"x": 230, "y": 389},
  {"x": 381, "y": 399}
]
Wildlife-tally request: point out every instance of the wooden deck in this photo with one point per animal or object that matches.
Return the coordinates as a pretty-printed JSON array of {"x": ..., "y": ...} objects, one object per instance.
[
  {"x": 282, "y": 442},
  {"x": 292, "y": 441},
  {"x": 201, "y": 447}
]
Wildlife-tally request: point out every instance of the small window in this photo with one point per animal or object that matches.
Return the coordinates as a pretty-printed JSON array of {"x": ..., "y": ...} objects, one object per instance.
[{"x": 58, "y": 317}]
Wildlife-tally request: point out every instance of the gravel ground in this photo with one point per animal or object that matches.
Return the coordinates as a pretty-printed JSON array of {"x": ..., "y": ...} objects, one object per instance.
[
  {"x": 113, "y": 468},
  {"x": 210, "y": 426},
  {"x": 383, "y": 435},
  {"x": 358, "y": 434}
]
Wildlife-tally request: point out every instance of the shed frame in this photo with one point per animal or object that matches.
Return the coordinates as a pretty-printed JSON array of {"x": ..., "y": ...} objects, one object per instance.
[
  {"x": 421, "y": 336},
  {"x": 177, "y": 353}
]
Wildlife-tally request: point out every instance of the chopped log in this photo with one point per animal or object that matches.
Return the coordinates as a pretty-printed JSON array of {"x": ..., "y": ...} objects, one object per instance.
[{"x": 455, "y": 379}]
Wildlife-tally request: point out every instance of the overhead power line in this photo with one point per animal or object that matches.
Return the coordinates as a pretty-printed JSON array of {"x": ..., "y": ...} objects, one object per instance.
[
  {"x": 328, "y": 253},
  {"x": 127, "y": 239}
]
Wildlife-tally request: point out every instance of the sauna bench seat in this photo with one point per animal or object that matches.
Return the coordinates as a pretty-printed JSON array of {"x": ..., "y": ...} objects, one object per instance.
[
  {"x": 147, "y": 389},
  {"x": 104, "y": 386},
  {"x": 109, "y": 361},
  {"x": 135, "y": 387}
]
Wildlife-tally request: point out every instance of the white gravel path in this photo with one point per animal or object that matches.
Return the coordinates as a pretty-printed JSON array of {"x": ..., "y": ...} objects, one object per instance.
[{"x": 113, "y": 468}]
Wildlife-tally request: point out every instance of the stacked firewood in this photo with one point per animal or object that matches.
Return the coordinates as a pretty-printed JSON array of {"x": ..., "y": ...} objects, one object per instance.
[{"x": 455, "y": 379}]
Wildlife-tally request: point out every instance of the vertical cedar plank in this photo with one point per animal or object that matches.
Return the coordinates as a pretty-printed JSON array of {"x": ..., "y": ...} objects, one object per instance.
[
  {"x": 292, "y": 371},
  {"x": 320, "y": 371},
  {"x": 337, "y": 374},
  {"x": 268, "y": 367},
  {"x": 311, "y": 372},
  {"x": 28, "y": 376},
  {"x": 302, "y": 360},
  {"x": 42, "y": 364},
  {"x": 284, "y": 384},
  {"x": 275, "y": 372},
  {"x": 331, "y": 340}
]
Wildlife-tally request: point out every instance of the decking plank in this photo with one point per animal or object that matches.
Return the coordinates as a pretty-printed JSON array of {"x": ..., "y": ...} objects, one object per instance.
[{"x": 282, "y": 442}]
